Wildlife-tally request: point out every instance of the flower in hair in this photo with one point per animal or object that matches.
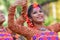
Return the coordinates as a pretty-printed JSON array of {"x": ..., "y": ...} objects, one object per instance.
[{"x": 35, "y": 5}]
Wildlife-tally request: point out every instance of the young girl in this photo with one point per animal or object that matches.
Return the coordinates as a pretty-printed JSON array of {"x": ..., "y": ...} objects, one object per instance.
[{"x": 35, "y": 20}]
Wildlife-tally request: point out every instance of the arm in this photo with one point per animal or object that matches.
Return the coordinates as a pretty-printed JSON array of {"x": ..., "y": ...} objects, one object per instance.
[
  {"x": 22, "y": 18},
  {"x": 9, "y": 31},
  {"x": 11, "y": 14},
  {"x": 25, "y": 31},
  {"x": 54, "y": 27}
]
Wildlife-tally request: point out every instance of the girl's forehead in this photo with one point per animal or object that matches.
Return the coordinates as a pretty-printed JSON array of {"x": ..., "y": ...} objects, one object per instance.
[
  {"x": 36, "y": 9},
  {"x": 1, "y": 14}
]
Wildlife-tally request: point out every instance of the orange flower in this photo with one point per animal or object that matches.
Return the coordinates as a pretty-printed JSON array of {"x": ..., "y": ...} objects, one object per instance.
[{"x": 35, "y": 5}]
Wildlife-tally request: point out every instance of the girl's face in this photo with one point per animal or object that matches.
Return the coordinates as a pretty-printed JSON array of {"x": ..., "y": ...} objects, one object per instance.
[
  {"x": 37, "y": 15},
  {"x": 2, "y": 18}
]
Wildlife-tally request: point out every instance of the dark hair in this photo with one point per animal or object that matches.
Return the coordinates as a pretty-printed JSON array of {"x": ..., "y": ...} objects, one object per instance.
[{"x": 30, "y": 9}]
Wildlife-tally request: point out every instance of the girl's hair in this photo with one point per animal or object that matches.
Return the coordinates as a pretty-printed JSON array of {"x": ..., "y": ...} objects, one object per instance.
[{"x": 30, "y": 9}]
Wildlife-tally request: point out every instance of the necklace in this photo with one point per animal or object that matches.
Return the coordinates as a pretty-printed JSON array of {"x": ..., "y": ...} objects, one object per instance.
[{"x": 42, "y": 29}]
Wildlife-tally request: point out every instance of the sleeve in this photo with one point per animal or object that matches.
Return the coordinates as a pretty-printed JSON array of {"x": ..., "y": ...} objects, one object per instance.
[
  {"x": 54, "y": 27},
  {"x": 25, "y": 31}
]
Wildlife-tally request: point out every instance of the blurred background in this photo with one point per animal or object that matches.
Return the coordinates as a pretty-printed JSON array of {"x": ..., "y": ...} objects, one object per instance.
[{"x": 50, "y": 7}]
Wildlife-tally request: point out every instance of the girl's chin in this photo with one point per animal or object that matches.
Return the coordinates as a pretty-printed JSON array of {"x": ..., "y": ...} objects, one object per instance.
[{"x": 40, "y": 21}]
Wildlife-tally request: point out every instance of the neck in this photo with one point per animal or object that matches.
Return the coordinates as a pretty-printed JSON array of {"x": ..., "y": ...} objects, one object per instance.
[{"x": 38, "y": 25}]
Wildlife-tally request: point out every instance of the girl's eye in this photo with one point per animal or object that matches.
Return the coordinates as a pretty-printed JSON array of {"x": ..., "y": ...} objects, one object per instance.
[
  {"x": 40, "y": 11},
  {"x": 34, "y": 12}
]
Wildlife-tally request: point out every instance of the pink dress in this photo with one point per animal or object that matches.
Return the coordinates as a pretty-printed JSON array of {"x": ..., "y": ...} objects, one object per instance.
[{"x": 4, "y": 35}]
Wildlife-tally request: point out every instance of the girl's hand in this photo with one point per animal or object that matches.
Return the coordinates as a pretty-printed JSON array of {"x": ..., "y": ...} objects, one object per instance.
[{"x": 19, "y": 2}]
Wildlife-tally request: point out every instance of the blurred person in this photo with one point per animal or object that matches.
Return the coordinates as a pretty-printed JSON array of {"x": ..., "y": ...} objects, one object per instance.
[
  {"x": 6, "y": 31},
  {"x": 3, "y": 31}
]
